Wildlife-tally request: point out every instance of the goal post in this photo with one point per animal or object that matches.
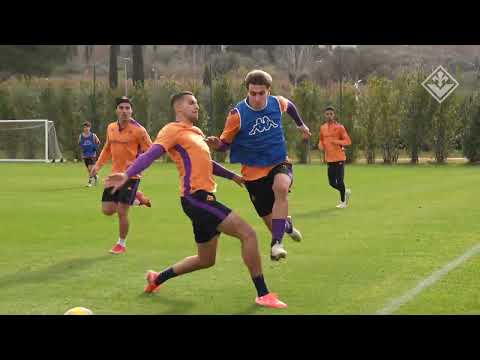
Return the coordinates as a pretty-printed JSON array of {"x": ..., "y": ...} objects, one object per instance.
[{"x": 29, "y": 141}]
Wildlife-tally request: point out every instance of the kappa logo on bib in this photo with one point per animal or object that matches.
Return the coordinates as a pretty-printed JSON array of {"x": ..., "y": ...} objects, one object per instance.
[{"x": 262, "y": 124}]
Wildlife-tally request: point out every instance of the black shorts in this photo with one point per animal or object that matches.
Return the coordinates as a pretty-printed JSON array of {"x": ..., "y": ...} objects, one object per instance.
[
  {"x": 89, "y": 161},
  {"x": 261, "y": 192},
  {"x": 205, "y": 212},
  {"x": 125, "y": 195}
]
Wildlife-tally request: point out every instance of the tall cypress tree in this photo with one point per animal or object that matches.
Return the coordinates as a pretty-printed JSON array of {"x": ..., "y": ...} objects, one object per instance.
[
  {"x": 113, "y": 73},
  {"x": 138, "y": 75}
]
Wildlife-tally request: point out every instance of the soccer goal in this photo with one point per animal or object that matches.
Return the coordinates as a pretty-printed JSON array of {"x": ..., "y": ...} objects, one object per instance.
[{"x": 29, "y": 140}]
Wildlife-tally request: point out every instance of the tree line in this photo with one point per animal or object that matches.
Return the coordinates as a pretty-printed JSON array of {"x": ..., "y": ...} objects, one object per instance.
[{"x": 383, "y": 117}]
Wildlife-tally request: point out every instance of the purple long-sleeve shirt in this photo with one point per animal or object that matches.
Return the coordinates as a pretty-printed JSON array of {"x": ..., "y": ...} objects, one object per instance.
[
  {"x": 219, "y": 170},
  {"x": 145, "y": 160},
  {"x": 291, "y": 110},
  {"x": 156, "y": 151}
]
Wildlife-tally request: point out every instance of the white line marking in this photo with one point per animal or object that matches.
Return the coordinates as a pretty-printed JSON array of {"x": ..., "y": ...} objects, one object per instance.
[{"x": 432, "y": 279}]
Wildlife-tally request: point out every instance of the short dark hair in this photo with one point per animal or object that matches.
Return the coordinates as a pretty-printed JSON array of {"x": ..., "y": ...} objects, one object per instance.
[
  {"x": 329, "y": 108},
  {"x": 123, "y": 99},
  {"x": 178, "y": 96},
  {"x": 87, "y": 123},
  {"x": 258, "y": 77}
]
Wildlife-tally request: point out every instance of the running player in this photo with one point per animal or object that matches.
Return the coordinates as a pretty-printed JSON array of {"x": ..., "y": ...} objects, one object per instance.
[
  {"x": 332, "y": 140},
  {"x": 253, "y": 132},
  {"x": 126, "y": 139},
  {"x": 89, "y": 143}
]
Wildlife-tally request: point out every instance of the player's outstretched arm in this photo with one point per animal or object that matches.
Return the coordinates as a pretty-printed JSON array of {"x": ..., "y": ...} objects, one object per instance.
[
  {"x": 117, "y": 180},
  {"x": 145, "y": 160},
  {"x": 144, "y": 141},
  {"x": 321, "y": 145},
  {"x": 105, "y": 155},
  {"x": 219, "y": 170},
  {"x": 295, "y": 115},
  {"x": 96, "y": 139},
  {"x": 240, "y": 181},
  {"x": 216, "y": 144},
  {"x": 213, "y": 142},
  {"x": 232, "y": 126}
]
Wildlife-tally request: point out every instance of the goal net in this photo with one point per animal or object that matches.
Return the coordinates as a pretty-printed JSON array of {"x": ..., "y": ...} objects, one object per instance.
[{"x": 29, "y": 140}]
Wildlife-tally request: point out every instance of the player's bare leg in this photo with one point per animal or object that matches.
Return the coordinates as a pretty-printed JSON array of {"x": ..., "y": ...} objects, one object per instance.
[
  {"x": 109, "y": 208},
  {"x": 122, "y": 211},
  {"x": 90, "y": 178},
  {"x": 123, "y": 224},
  {"x": 280, "y": 189},
  {"x": 281, "y": 184},
  {"x": 235, "y": 226},
  {"x": 232, "y": 225},
  {"x": 205, "y": 258},
  {"x": 268, "y": 222}
]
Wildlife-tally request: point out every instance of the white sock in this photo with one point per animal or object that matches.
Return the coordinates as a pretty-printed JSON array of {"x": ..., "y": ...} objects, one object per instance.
[
  {"x": 136, "y": 202},
  {"x": 122, "y": 242}
]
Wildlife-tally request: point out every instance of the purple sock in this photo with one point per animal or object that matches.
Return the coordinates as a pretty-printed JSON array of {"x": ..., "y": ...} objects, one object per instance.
[{"x": 278, "y": 229}]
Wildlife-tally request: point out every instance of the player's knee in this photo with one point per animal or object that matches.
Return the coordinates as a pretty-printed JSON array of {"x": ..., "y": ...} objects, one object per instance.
[
  {"x": 108, "y": 211},
  {"x": 280, "y": 191},
  {"x": 247, "y": 233},
  {"x": 205, "y": 263}
]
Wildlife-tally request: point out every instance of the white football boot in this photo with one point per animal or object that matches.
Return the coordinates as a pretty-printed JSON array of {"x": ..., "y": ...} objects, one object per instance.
[
  {"x": 295, "y": 235},
  {"x": 277, "y": 252}
]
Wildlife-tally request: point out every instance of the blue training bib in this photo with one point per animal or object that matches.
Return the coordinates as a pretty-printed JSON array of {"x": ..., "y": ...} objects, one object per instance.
[
  {"x": 260, "y": 140},
  {"x": 88, "y": 145}
]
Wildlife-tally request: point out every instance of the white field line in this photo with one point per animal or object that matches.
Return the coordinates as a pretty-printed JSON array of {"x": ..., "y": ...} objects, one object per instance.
[{"x": 432, "y": 279}]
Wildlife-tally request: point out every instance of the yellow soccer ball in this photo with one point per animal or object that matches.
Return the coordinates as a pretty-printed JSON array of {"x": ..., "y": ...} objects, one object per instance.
[{"x": 79, "y": 311}]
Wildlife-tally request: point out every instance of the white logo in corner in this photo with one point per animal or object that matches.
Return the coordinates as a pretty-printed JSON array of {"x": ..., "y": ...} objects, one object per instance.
[{"x": 440, "y": 84}]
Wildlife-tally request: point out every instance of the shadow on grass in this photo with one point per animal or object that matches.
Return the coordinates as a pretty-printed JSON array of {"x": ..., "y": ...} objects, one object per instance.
[
  {"x": 182, "y": 307},
  {"x": 78, "y": 187},
  {"x": 57, "y": 271},
  {"x": 316, "y": 213},
  {"x": 175, "y": 306},
  {"x": 252, "y": 309}
]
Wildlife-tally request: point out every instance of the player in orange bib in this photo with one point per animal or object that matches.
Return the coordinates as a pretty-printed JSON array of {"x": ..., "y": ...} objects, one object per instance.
[
  {"x": 333, "y": 138},
  {"x": 126, "y": 140},
  {"x": 186, "y": 146}
]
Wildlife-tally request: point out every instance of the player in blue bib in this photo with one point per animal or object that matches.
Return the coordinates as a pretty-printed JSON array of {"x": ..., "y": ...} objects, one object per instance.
[
  {"x": 89, "y": 143},
  {"x": 254, "y": 133}
]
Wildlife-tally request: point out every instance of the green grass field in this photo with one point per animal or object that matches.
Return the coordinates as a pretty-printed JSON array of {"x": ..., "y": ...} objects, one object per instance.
[{"x": 404, "y": 223}]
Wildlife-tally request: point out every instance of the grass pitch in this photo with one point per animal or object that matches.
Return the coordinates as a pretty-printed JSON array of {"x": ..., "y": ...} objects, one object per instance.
[{"x": 403, "y": 224}]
